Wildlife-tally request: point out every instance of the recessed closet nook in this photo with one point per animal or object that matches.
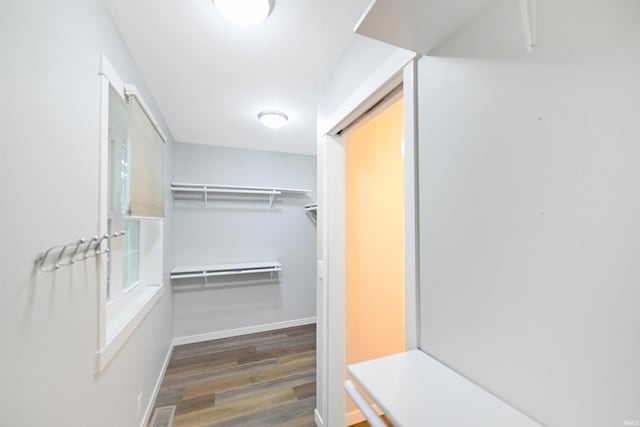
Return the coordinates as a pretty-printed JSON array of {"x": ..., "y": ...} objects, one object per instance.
[
  {"x": 285, "y": 213},
  {"x": 244, "y": 245}
]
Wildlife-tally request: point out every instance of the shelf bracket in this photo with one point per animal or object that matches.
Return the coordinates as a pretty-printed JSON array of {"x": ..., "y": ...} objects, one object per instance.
[
  {"x": 205, "y": 196},
  {"x": 272, "y": 197},
  {"x": 528, "y": 11}
]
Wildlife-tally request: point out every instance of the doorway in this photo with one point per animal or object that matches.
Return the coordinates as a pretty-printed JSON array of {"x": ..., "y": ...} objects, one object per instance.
[
  {"x": 398, "y": 71},
  {"x": 375, "y": 237}
]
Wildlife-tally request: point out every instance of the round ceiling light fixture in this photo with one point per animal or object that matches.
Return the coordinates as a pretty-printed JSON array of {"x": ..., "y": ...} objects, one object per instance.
[
  {"x": 245, "y": 12},
  {"x": 273, "y": 119}
]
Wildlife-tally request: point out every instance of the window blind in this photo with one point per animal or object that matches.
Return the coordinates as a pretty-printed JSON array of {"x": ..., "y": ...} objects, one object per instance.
[{"x": 146, "y": 162}]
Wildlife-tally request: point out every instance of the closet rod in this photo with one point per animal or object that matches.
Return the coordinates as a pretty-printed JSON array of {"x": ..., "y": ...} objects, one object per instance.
[
  {"x": 368, "y": 412},
  {"x": 224, "y": 190},
  {"x": 224, "y": 273},
  {"x": 179, "y": 186}
]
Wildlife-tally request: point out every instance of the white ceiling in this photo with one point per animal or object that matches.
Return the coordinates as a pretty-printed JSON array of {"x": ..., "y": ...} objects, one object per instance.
[
  {"x": 417, "y": 25},
  {"x": 210, "y": 78}
]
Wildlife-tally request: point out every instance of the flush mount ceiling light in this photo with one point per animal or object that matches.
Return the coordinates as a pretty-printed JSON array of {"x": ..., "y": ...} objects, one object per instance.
[
  {"x": 273, "y": 119},
  {"x": 245, "y": 12}
]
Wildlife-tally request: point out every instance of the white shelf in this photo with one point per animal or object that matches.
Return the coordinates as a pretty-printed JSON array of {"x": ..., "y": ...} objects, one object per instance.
[
  {"x": 206, "y": 189},
  {"x": 414, "y": 390},
  {"x": 225, "y": 269}
]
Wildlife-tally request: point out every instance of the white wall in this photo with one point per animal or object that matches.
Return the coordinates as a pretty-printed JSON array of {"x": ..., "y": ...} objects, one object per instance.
[
  {"x": 49, "y": 173},
  {"x": 529, "y": 209},
  {"x": 244, "y": 229},
  {"x": 356, "y": 65}
]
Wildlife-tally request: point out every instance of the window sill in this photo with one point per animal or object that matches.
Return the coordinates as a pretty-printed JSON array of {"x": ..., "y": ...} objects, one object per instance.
[{"x": 123, "y": 320}]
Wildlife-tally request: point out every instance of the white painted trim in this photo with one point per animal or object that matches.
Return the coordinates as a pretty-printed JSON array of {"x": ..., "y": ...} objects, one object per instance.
[
  {"x": 116, "y": 322},
  {"x": 131, "y": 90},
  {"x": 103, "y": 201},
  {"x": 332, "y": 305},
  {"x": 190, "y": 339},
  {"x": 382, "y": 80},
  {"x": 411, "y": 194},
  {"x": 317, "y": 418},
  {"x": 106, "y": 69},
  {"x": 108, "y": 77},
  {"x": 364, "y": 15},
  {"x": 156, "y": 389},
  {"x": 135, "y": 314},
  {"x": 356, "y": 416},
  {"x": 331, "y": 230},
  {"x": 322, "y": 356}
]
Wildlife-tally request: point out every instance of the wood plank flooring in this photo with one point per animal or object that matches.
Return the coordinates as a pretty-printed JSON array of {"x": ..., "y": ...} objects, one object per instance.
[
  {"x": 258, "y": 380},
  {"x": 366, "y": 424}
]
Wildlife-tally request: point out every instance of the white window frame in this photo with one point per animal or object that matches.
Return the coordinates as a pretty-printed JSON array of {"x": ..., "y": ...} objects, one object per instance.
[
  {"x": 117, "y": 217},
  {"x": 119, "y": 317}
]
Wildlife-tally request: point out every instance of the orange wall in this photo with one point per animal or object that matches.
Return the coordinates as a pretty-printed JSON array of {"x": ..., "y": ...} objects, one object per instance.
[{"x": 375, "y": 237}]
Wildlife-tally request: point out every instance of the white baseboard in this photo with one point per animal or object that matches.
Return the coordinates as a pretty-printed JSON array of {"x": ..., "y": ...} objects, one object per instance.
[
  {"x": 156, "y": 389},
  {"x": 189, "y": 339},
  {"x": 356, "y": 416},
  {"x": 318, "y": 418}
]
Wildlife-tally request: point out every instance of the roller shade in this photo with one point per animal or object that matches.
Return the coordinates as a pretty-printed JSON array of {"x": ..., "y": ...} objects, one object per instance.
[{"x": 146, "y": 161}]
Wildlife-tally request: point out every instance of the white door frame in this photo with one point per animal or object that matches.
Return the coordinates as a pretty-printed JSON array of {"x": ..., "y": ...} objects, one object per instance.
[{"x": 331, "y": 369}]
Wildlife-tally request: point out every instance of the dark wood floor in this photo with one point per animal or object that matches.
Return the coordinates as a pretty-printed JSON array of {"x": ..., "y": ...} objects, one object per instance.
[{"x": 262, "y": 380}]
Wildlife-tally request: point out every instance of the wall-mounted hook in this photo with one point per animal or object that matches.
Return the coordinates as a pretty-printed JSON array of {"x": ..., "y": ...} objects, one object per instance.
[
  {"x": 59, "y": 263},
  {"x": 75, "y": 251},
  {"x": 88, "y": 248},
  {"x": 42, "y": 259},
  {"x": 96, "y": 247},
  {"x": 65, "y": 255}
]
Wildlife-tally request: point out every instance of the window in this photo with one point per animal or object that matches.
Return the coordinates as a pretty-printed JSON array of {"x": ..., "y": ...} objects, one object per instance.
[
  {"x": 131, "y": 254},
  {"x": 123, "y": 263},
  {"x": 131, "y": 212}
]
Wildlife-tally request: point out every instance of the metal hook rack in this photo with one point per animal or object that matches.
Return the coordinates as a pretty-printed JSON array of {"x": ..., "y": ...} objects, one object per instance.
[{"x": 66, "y": 255}]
